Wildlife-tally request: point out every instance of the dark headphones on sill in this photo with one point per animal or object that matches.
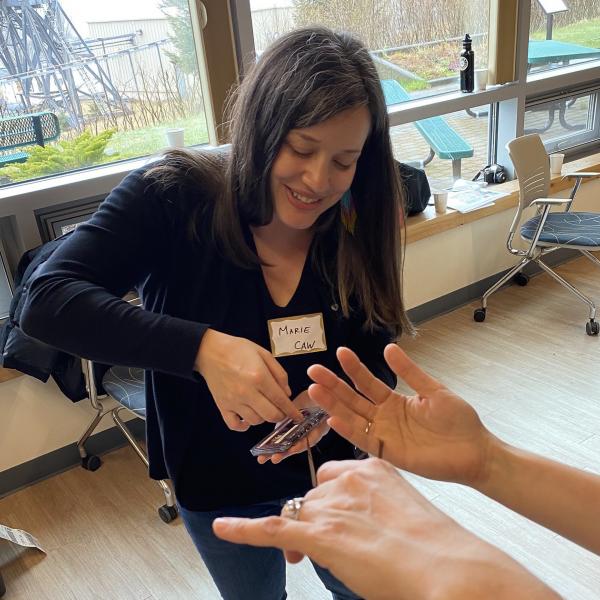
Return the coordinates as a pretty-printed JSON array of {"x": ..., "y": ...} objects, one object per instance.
[{"x": 492, "y": 174}]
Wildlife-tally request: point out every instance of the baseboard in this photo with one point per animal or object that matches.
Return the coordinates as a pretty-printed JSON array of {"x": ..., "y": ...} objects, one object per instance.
[
  {"x": 64, "y": 458},
  {"x": 471, "y": 292}
]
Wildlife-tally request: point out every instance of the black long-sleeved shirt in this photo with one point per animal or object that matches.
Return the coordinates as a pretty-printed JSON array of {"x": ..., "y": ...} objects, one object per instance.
[{"x": 139, "y": 239}]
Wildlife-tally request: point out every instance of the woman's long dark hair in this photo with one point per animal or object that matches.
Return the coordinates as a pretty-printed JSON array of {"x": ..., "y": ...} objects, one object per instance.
[{"x": 302, "y": 79}]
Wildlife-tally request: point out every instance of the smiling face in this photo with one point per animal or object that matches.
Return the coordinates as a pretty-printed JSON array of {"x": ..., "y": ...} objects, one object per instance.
[{"x": 315, "y": 166}]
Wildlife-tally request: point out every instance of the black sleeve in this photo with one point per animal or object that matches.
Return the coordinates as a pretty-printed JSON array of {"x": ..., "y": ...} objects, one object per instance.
[
  {"x": 75, "y": 301},
  {"x": 369, "y": 346}
]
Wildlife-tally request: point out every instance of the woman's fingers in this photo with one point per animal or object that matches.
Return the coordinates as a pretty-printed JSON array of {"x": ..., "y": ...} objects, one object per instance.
[
  {"x": 409, "y": 371},
  {"x": 300, "y": 446},
  {"x": 340, "y": 392},
  {"x": 364, "y": 381},
  {"x": 278, "y": 372},
  {"x": 233, "y": 421},
  {"x": 334, "y": 468},
  {"x": 275, "y": 388},
  {"x": 354, "y": 413},
  {"x": 265, "y": 409},
  {"x": 266, "y": 532},
  {"x": 250, "y": 416}
]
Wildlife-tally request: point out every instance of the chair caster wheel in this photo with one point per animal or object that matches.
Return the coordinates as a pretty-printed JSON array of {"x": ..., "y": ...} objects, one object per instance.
[
  {"x": 167, "y": 513},
  {"x": 521, "y": 279},
  {"x": 592, "y": 327},
  {"x": 479, "y": 315},
  {"x": 91, "y": 462}
]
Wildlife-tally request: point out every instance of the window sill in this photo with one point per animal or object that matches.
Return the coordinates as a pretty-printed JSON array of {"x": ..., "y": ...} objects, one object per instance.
[{"x": 429, "y": 223}]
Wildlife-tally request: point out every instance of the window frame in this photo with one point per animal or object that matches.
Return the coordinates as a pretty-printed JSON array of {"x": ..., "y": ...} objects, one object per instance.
[{"x": 510, "y": 97}]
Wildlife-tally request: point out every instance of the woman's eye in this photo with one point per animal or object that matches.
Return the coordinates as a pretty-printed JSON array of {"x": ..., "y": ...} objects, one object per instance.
[
  {"x": 343, "y": 166},
  {"x": 300, "y": 152}
]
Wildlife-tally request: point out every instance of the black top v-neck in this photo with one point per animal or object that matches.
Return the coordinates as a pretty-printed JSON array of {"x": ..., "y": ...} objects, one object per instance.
[{"x": 139, "y": 238}]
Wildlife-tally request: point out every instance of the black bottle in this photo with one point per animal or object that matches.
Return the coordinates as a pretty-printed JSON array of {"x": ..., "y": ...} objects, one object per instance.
[{"x": 467, "y": 66}]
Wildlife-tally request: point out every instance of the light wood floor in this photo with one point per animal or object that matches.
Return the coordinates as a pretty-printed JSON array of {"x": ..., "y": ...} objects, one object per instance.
[{"x": 530, "y": 370}]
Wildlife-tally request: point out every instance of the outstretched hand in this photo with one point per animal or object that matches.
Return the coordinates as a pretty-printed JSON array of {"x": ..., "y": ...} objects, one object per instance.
[
  {"x": 434, "y": 433},
  {"x": 379, "y": 536}
]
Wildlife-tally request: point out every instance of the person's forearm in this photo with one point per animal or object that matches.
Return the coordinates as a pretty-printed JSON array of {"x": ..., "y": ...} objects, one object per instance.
[{"x": 559, "y": 497}]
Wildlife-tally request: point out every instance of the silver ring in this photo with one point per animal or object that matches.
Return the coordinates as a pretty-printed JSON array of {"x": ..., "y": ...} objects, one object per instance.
[
  {"x": 291, "y": 509},
  {"x": 368, "y": 427}
]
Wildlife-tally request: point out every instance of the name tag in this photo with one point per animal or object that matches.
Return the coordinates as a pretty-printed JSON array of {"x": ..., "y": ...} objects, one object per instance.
[{"x": 297, "y": 335}]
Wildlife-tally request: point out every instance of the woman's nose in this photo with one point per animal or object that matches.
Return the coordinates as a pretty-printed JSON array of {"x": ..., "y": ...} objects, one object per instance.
[{"x": 317, "y": 177}]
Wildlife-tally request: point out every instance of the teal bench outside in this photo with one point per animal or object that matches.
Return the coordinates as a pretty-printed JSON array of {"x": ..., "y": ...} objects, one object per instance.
[
  {"x": 442, "y": 139},
  {"x": 26, "y": 130}
]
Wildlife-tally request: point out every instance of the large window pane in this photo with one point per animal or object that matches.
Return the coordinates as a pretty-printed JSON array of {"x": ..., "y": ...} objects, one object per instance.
[
  {"x": 416, "y": 43},
  {"x": 565, "y": 122},
  {"x": 443, "y": 145},
  {"x": 110, "y": 79},
  {"x": 563, "y": 33}
]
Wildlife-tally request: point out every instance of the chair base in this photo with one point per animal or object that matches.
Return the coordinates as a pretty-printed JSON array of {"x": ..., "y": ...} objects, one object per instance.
[
  {"x": 167, "y": 512},
  {"x": 592, "y": 327}
]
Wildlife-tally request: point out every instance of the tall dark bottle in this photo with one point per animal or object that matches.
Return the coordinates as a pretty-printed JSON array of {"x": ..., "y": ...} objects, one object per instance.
[{"x": 467, "y": 66}]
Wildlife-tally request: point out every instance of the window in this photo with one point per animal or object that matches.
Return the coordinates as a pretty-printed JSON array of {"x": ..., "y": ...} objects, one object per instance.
[
  {"x": 447, "y": 147},
  {"x": 565, "y": 122},
  {"x": 563, "y": 33},
  {"x": 421, "y": 54},
  {"x": 113, "y": 78}
]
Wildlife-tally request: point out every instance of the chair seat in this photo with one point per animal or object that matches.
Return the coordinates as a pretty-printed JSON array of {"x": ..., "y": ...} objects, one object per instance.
[
  {"x": 126, "y": 386},
  {"x": 574, "y": 229}
]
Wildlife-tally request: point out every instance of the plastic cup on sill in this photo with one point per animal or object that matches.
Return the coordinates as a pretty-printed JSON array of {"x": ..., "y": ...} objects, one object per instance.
[
  {"x": 175, "y": 138},
  {"x": 440, "y": 201},
  {"x": 556, "y": 163}
]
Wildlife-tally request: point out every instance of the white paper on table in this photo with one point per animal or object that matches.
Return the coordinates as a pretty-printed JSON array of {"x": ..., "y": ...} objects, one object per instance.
[{"x": 466, "y": 196}]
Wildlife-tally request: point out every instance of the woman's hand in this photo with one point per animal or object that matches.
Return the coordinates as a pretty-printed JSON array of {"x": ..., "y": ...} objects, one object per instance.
[
  {"x": 247, "y": 383},
  {"x": 434, "y": 433},
  {"x": 314, "y": 437},
  {"x": 379, "y": 536}
]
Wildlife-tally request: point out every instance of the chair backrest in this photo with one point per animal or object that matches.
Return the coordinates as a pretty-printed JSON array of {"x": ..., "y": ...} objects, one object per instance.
[{"x": 532, "y": 166}]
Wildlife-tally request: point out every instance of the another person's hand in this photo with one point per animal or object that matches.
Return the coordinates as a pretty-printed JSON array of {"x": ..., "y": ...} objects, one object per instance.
[
  {"x": 385, "y": 541},
  {"x": 314, "y": 437},
  {"x": 434, "y": 433},
  {"x": 247, "y": 383}
]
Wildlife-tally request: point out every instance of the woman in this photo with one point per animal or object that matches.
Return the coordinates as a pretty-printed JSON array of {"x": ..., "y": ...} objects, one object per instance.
[{"x": 252, "y": 263}]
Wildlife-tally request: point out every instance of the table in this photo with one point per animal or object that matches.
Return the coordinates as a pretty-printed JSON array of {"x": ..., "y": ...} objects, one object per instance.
[{"x": 542, "y": 52}]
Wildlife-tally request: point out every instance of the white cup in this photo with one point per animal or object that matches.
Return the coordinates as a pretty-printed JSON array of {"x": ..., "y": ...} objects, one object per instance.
[
  {"x": 481, "y": 77},
  {"x": 440, "y": 199},
  {"x": 175, "y": 138},
  {"x": 556, "y": 163}
]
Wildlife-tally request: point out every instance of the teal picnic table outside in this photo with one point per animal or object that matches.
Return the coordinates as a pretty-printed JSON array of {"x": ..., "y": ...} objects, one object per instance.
[
  {"x": 26, "y": 130},
  {"x": 443, "y": 140},
  {"x": 542, "y": 52}
]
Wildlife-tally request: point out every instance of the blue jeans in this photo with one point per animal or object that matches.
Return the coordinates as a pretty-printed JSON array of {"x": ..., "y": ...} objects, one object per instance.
[{"x": 241, "y": 572}]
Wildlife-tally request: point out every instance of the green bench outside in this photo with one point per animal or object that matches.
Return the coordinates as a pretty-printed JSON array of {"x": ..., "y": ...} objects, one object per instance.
[
  {"x": 26, "y": 130},
  {"x": 442, "y": 139}
]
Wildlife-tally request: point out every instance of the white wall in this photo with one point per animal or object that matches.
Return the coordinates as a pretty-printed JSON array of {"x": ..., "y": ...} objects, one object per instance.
[
  {"x": 36, "y": 418},
  {"x": 451, "y": 260}
]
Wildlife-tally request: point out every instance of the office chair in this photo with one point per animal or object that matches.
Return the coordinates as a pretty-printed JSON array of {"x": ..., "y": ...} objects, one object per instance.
[
  {"x": 547, "y": 231},
  {"x": 126, "y": 386}
]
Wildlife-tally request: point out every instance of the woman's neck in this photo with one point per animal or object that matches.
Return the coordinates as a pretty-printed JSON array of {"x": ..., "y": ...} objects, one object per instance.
[{"x": 280, "y": 240}]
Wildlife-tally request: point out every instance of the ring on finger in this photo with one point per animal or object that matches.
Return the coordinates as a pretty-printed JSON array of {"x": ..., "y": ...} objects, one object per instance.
[
  {"x": 368, "y": 427},
  {"x": 291, "y": 509}
]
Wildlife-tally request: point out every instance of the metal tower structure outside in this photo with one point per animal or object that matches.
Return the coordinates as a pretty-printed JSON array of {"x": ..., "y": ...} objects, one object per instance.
[{"x": 43, "y": 53}]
